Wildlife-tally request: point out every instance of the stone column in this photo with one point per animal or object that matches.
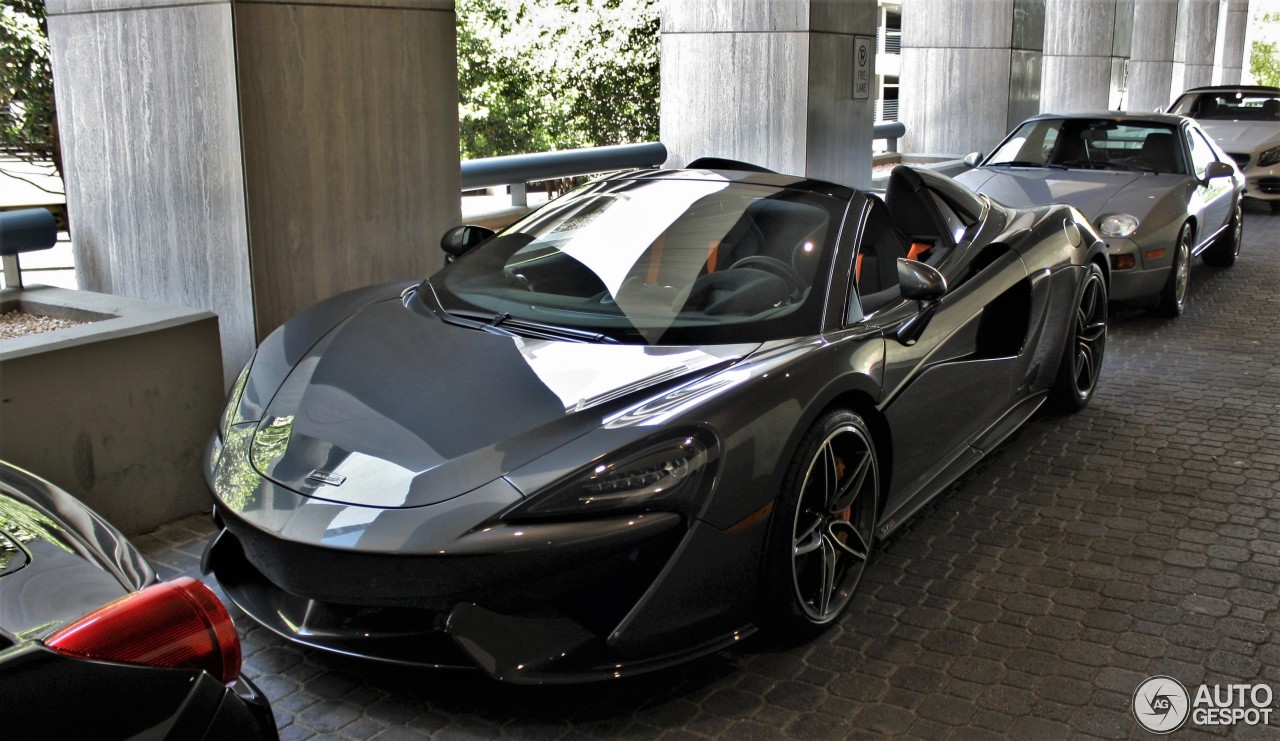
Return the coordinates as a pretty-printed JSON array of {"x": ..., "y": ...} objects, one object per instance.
[
  {"x": 1230, "y": 49},
  {"x": 251, "y": 157},
  {"x": 970, "y": 69},
  {"x": 1155, "y": 23},
  {"x": 770, "y": 82},
  {"x": 1194, "y": 44},
  {"x": 1086, "y": 54}
]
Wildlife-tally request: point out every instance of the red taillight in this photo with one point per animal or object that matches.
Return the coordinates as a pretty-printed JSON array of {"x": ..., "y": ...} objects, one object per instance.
[{"x": 180, "y": 623}]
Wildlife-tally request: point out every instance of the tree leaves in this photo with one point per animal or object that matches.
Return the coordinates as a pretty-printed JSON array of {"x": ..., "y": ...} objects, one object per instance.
[{"x": 540, "y": 75}]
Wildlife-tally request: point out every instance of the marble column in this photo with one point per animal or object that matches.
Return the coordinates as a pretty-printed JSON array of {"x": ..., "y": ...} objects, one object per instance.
[
  {"x": 1230, "y": 51},
  {"x": 253, "y": 156},
  {"x": 1155, "y": 24},
  {"x": 1087, "y": 47},
  {"x": 770, "y": 82},
  {"x": 1195, "y": 42},
  {"x": 970, "y": 70}
]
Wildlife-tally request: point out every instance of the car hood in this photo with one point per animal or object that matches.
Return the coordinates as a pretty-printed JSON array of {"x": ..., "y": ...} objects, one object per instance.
[
  {"x": 394, "y": 408},
  {"x": 1091, "y": 191},
  {"x": 1243, "y": 136}
]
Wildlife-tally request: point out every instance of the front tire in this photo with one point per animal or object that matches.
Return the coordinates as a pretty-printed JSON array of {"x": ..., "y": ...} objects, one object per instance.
[
  {"x": 1173, "y": 296},
  {"x": 1077, "y": 377},
  {"x": 1227, "y": 245},
  {"x": 823, "y": 526}
]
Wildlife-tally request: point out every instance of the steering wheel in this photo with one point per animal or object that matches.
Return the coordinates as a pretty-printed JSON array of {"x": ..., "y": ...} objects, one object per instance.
[{"x": 794, "y": 280}]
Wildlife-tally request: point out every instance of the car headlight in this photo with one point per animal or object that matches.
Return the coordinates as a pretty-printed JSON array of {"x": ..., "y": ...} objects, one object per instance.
[
  {"x": 1118, "y": 225},
  {"x": 666, "y": 475},
  {"x": 1269, "y": 157}
]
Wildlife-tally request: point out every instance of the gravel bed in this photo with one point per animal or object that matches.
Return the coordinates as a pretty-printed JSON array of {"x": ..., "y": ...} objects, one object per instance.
[{"x": 19, "y": 324}]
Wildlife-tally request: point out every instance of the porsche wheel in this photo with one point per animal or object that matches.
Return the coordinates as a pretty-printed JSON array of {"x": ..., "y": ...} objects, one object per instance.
[
  {"x": 1086, "y": 342},
  {"x": 823, "y": 526},
  {"x": 1173, "y": 297},
  {"x": 1227, "y": 246}
]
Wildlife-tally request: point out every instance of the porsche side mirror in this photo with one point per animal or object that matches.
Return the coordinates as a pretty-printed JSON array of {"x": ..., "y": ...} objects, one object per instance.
[
  {"x": 972, "y": 159},
  {"x": 922, "y": 283},
  {"x": 460, "y": 240},
  {"x": 1218, "y": 169}
]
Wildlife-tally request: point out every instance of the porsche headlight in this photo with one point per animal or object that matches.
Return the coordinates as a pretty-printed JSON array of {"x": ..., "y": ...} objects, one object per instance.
[
  {"x": 661, "y": 475},
  {"x": 1118, "y": 225},
  {"x": 1269, "y": 157}
]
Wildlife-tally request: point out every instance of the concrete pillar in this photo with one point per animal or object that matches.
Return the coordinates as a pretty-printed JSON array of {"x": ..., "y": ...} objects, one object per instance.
[
  {"x": 252, "y": 157},
  {"x": 771, "y": 82},
  {"x": 1155, "y": 23},
  {"x": 1195, "y": 42},
  {"x": 970, "y": 70},
  {"x": 1087, "y": 45},
  {"x": 1230, "y": 49}
]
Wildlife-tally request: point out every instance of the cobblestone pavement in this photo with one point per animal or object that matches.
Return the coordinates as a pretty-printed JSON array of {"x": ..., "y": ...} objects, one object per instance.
[{"x": 1139, "y": 537}]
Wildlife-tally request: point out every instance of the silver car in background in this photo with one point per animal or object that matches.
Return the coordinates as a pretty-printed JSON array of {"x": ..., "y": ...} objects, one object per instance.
[
  {"x": 1156, "y": 186},
  {"x": 1245, "y": 121}
]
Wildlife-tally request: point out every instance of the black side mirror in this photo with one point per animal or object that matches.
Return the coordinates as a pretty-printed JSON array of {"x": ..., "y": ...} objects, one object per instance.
[
  {"x": 923, "y": 283},
  {"x": 972, "y": 159},
  {"x": 460, "y": 240},
  {"x": 919, "y": 281},
  {"x": 1218, "y": 169}
]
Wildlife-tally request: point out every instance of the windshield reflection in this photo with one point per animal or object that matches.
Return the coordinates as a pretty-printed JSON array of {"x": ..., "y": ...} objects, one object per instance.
[{"x": 657, "y": 261}]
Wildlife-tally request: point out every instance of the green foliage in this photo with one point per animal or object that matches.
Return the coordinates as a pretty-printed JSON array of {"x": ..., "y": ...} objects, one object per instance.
[
  {"x": 541, "y": 75},
  {"x": 1264, "y": 63},
  {"x": 28, "y": 121}
]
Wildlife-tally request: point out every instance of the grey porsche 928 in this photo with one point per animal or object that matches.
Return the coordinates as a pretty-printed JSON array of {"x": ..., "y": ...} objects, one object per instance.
[{"x": 660, "y": 412}]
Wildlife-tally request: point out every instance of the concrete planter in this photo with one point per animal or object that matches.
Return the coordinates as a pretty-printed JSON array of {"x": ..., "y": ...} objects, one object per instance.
[{"x": 117, "y": 411}]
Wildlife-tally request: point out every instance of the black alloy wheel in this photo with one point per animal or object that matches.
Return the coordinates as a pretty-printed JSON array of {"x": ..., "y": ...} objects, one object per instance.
[
  {"x": 1081, "y": 365},
  {"x": 823, "y": 527},
  {"x": 1173, "y": 296}
]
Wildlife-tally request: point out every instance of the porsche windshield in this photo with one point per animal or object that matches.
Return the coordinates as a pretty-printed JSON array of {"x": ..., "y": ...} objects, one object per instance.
[
  {"x": 657, "y": 261},
  {"x": 1092, "y": 144}
]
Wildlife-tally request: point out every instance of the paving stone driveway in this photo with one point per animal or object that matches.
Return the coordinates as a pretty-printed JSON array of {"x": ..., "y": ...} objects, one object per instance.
[{"x": 1139, "y": 537}]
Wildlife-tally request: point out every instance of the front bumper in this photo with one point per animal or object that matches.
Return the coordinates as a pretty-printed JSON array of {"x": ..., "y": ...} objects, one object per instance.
[
  {"x": 1144, "y": 280},
  {"x": 448, "y": 586}
]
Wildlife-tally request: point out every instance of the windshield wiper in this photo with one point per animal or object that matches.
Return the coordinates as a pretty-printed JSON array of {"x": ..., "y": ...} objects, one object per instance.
[
  {"x": 503, "y": 323},
  {"x": 1026, "y": 163}
]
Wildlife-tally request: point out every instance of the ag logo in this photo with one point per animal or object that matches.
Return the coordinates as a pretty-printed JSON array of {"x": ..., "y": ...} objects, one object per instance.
[{"x": 1161, "y": 704}]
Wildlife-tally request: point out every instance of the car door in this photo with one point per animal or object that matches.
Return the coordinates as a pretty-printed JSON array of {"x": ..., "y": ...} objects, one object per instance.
[
  {"x": 943, "y": 388},
  {"x": 1215, "y": 198}
]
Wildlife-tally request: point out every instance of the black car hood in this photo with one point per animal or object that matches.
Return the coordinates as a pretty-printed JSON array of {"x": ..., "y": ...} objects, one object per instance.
[
  {"x": 58, "y": 560},
  {"x": 394, "y": 408}
]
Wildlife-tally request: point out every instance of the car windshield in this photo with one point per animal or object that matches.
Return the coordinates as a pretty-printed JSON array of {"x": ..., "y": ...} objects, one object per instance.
[
  {"x": 656, "y": 260},
  {"x": 1229, "y": 105},
  {"x": 1094, "y": 144}
]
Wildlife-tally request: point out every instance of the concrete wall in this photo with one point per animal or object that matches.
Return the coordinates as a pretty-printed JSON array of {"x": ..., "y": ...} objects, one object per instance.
[
  {"x": 769, "y": 83},
  {"x": 955, "y": 80},
  {"x": 117, "y": 412},
  {"x": 252, "y": 157},
  {"x": 350, "y": 127}
]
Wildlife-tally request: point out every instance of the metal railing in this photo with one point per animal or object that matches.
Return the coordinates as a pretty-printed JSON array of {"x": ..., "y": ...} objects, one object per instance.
[
  {"x": 518, "y": 170},
  {"x": 890, "y": 41}
]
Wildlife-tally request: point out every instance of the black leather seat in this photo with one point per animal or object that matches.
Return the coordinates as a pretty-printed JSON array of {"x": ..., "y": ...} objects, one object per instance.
[{"x": 1160, "y": 150}]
